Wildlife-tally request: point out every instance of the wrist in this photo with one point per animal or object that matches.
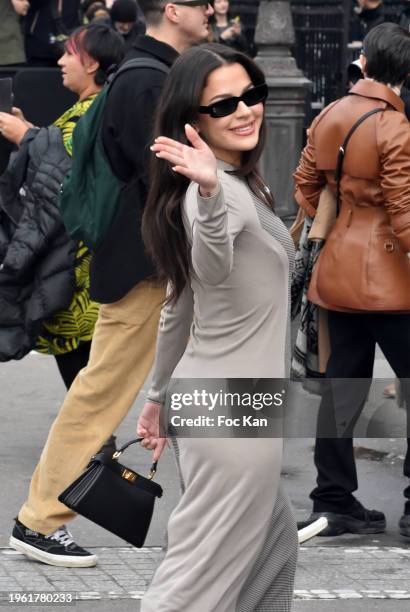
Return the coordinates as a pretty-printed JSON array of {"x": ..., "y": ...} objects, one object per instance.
[
  {"x": 153, "y": 400},
  {"x": 208, "y": 191},
  {"x": 20, "y": 135}
]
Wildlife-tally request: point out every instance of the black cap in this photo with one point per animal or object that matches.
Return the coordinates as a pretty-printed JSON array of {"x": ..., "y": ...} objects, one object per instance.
[{"x": 124, "y": 11}]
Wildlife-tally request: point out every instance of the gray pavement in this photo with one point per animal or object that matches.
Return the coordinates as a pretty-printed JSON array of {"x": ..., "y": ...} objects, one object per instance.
[
  {"x": 123, "y": 572},
  {"x": 334, "y": 574}
]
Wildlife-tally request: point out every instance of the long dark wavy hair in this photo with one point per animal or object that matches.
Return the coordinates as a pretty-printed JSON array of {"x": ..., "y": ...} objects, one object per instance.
[{"x": 162, "y": 225}]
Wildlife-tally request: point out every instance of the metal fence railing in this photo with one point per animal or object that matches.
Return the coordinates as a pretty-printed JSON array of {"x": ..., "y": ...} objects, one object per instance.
[
  {"x": 322, "y": 34},
  {"x": 321, "y": 41},
  {"x": 321, "y": 30}
]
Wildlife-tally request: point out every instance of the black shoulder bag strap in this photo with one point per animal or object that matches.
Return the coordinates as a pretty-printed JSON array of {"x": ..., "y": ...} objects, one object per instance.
[{"x": 342, "y": 153}]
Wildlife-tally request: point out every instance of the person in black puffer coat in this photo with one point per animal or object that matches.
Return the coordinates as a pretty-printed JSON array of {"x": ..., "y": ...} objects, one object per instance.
[{"x": 36, "y": 276}]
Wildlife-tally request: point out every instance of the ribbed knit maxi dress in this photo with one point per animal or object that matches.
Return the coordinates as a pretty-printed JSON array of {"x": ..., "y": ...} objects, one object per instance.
[{"x": 232, "y": 539}]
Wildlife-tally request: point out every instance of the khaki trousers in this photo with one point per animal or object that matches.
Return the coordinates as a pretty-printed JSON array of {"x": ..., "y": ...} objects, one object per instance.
[{"x": 121, "y": 357}]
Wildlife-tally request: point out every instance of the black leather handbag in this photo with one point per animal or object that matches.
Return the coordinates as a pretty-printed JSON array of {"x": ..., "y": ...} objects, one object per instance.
[{"x": 115, "y": 497}]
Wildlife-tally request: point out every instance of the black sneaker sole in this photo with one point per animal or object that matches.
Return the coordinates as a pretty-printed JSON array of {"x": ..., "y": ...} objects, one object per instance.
[
  {"x": 50, "y": 559},
  {"x": 344, "y": 523}
]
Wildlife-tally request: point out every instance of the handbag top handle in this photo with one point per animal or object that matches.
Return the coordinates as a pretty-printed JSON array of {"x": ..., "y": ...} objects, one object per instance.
[
  {"x": 342, "y": 153},
  {"x": 120, "y": 451}
]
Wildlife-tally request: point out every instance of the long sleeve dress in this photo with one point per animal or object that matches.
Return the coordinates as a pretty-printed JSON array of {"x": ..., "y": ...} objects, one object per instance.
[{"x": 232, "y": 539}]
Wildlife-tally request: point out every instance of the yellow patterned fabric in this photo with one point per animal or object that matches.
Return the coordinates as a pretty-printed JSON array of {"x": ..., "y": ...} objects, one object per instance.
[
  {"x": 68, "y": 121},
  {"x": 67, "y": 328}
]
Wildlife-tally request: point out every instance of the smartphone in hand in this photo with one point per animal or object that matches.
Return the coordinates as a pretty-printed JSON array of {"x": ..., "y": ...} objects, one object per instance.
[{"x": 6, "y": 95}]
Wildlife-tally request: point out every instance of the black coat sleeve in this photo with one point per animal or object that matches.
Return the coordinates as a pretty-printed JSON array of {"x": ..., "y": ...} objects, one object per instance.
[{"x": 128, "y": 123}]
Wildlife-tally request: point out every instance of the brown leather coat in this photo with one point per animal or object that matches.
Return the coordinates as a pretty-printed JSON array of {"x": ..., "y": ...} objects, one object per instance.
[{"x": 375, "y": 201}]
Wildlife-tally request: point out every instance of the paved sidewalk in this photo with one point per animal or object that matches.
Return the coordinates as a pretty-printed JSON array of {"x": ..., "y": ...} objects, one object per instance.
[
  {"x": 343, "y": 574},
  {"x": 370, "y": 572}
]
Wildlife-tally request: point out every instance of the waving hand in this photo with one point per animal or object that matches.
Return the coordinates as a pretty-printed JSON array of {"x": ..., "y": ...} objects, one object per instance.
[{"x": 197, "y": 163}]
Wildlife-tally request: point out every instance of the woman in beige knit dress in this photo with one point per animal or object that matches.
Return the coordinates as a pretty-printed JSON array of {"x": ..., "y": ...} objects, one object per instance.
[{"x": 210, "y": 226}]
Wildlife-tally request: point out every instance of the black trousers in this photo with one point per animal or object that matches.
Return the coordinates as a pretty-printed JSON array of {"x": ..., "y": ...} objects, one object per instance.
[
  {"x": 69, "y": 364},
  {"x": 353, "y": 339}
]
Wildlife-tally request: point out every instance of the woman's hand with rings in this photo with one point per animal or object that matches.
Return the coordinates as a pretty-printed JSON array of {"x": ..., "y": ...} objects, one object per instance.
[{"x": 197, "y": 163}]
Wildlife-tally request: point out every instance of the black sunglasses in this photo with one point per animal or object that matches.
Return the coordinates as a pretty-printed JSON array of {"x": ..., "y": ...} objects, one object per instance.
[
  {"x": 193, "y": 2},
  {"x": 226, "y": 107}
]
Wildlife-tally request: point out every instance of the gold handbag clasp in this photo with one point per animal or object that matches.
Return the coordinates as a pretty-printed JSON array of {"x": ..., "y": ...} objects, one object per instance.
[
  {"x": 129, "y": 475},
  {"x": 132, "y": 476}
]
